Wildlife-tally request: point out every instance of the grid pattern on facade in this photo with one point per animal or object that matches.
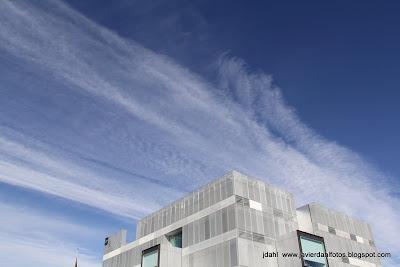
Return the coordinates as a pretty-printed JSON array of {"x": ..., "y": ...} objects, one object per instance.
[
  {"x": 209, "y": 226},
  {"x": 269, "y": 196},
  {"x": 131, "y": 257},
  {"x": 230, "y": 222},
  {"x": 340, "y": 221},
  {"x": 266, "y": 222},
  {"x": 277, "y": 215},
  {"x": 223, "y": 254},
  {"x": 191, "y": 204},
  {"x": 343, "y": 234}
]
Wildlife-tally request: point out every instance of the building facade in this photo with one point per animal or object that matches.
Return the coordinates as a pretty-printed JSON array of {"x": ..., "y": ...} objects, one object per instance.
[{"x": 242, "y": 222}]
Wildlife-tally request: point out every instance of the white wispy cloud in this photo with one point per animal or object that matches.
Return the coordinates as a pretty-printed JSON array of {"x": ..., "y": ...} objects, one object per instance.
[
  {"x": 55, "y": 175},
  {"x": 173, "y": 123},
  {"x": 33, "y": 238}
]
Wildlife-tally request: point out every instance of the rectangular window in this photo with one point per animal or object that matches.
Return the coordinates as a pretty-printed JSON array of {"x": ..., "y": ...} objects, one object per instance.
[
  {"x": 175, "y": 238},
  {"x": 151, "y": 257},
  {"x": 331, "y": 230},
  {"x": 313, "y": 250},
  {"x": 353, "y": 237}
]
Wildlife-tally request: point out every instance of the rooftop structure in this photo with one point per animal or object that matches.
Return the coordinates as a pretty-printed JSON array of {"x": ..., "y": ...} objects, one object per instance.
[{"x": 239, "y": 221}]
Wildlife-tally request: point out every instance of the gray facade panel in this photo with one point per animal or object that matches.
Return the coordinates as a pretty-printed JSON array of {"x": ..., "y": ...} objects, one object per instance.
[
  {"x": 196, "y": 201},
  {"x": 230, "y": 222}
]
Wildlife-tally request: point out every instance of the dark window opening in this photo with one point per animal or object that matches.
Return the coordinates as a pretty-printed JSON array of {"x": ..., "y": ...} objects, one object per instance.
[
  {"x": 353, "y": 237},
  {"x": 331, "y": 230},
  {"x": 175, "y": 238}
]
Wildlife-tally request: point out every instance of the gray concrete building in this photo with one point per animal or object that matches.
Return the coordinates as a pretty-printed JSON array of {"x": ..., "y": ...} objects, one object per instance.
[{"x": 239, "y": 221}]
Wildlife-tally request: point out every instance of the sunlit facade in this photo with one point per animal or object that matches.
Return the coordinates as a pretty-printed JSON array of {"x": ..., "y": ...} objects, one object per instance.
[{"x": 238, "y": 221}]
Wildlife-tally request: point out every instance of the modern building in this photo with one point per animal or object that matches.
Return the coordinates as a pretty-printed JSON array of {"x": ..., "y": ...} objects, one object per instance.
[{"x": 238, "y": 221}]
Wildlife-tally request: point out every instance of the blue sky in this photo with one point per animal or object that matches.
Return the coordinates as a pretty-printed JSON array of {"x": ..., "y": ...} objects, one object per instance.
[{"x": 105, "y": 105}]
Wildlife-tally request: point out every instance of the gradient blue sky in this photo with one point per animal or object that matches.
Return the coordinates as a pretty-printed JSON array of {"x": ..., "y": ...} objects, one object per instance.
[{"x": 105, "y": 105}]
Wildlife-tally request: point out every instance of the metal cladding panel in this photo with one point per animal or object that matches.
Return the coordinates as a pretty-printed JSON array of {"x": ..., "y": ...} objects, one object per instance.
[
  {"x": 250, "y": 253},
  {"x": 198, "y": 200},
  {"x": 272, "y": 215},
  {"x": 288, "y": 244},
  {"x": 339, "y": 221},
  {"x": 133, "y": 256},
  {"x": 263, "y": 214},
  {"x": 169, "y": 255},
  {"x": 115, "y": 241},
  {"x": 344, "y": 234},
  {"x": 261, "y": 196},
  {"x": 223, "y": 254},
  {"x": 209, "y": 226},
  {"x": 304, "y": 219},
  {"x": 262, "y": 221},
  {"x": 261, "y": 192},
  {"x": 232, "y": 221},
  {"x": 258, "y": 214}
]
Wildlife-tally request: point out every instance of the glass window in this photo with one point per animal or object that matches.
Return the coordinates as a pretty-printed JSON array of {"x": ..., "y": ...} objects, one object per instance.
[
  {"x": 353, "y": 237},
  {"x": 176, "y": 239},
  {"x": 313, "y": 251},
  {"x": 331, "y": 230},
  {"x": 150, "y": 257}
]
